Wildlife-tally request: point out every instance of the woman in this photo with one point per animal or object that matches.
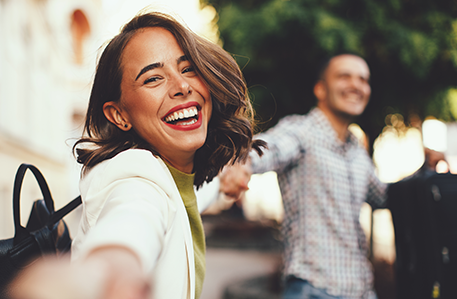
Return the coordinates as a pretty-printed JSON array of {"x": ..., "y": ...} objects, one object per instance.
[{"x": 168, "y": 110}]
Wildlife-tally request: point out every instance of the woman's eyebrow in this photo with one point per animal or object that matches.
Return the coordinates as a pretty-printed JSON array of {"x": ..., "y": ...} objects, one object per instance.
[
  {"x": 148, "y": 68},
  {"x": 181, "y": 59},
  {"x": 157, "y": 65}
]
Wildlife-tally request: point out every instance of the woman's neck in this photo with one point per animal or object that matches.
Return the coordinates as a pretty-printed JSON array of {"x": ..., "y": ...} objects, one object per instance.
[{"x": 183, "y": 165}]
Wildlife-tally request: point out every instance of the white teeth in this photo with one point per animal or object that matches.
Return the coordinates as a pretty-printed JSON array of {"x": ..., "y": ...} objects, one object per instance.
[
  {"x": 185, "y": 113},
  {"x": 193, "y": 121}
]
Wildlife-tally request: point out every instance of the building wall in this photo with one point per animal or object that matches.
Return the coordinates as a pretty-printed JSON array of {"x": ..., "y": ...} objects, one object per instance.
[{"x": 44, "y": 88}]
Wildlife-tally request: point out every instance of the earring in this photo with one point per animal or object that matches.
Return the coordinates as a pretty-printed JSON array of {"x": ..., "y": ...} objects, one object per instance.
[{"x": 126, "y": 126}]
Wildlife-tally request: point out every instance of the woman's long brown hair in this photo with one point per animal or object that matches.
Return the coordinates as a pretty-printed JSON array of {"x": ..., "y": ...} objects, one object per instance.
[{"x": 230, "y": 130}]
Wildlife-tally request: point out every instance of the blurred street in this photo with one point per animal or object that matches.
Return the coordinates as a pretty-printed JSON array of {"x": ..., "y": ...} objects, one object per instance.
[
  {"x": 225, "y": 267},
  {"x": 240, "y": 251}
]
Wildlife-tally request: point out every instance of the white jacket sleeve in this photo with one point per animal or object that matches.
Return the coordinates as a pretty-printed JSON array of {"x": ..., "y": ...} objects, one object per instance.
[
  {"x": 123, "y": 207},
  {"x": 134, "y": 216}
]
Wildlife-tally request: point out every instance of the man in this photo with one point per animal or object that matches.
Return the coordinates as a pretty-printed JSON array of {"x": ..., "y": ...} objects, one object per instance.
[{"x": 324, "y": 176}]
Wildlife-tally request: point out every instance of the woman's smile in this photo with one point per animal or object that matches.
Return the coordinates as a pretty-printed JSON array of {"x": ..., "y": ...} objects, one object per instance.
[{"x": 184, "y": 117}]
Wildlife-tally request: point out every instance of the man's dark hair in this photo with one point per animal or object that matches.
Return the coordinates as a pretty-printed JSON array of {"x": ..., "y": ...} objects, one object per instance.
[{"x": 323, "y": 65}]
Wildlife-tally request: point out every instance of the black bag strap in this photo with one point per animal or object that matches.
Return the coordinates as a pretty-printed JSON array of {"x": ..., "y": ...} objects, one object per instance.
[
  {"x": 19, "y": 229},
  {"x": 64, "y": 210}
]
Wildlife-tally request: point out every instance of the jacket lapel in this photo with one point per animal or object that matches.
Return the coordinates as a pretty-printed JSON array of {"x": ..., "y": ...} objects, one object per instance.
[{"x": 187, "y": 234}]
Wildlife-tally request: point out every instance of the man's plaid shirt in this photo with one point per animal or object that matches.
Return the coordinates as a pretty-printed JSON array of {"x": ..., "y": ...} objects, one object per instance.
[{"x": 323, "y": 183}]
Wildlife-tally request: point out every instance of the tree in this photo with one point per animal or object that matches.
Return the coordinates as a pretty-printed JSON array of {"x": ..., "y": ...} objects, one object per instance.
[{"x": 410, "y": 46}]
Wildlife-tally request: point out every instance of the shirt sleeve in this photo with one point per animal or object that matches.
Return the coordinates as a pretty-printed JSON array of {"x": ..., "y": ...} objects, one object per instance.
[
  {"x": 134, "y": 216},
  {"x": 284, "y": 147},
  {"x": 377, "y": 191}
]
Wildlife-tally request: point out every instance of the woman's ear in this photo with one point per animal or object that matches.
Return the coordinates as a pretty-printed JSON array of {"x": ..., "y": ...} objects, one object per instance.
[{"x": 113, "y": 113}]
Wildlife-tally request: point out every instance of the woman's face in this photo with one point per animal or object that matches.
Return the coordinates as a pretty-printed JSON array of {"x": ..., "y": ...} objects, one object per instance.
[{"x": 163, "y": 99}]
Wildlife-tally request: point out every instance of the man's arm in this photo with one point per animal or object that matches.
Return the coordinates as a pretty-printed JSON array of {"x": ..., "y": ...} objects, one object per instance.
[
  {"x": 284, "y": 147},
  {"x": 284, "y": 142}
]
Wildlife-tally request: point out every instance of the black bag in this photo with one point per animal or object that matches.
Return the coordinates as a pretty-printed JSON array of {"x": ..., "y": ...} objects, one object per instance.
[
  {"x": 45, "y": 233},
  {"x": 424, "y": 213}
]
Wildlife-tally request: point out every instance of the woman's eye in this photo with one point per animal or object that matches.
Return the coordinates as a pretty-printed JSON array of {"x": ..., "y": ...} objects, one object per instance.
[
  {"x": 188, "y": 69},
  {"x": 151, "y": 80}
]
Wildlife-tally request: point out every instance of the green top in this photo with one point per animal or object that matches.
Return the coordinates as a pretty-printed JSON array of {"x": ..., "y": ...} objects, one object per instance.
[{"x": 185, "y": 184}]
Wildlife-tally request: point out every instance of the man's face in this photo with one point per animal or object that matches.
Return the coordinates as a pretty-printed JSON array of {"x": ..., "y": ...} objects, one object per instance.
[{"x": 345, "y": 89}]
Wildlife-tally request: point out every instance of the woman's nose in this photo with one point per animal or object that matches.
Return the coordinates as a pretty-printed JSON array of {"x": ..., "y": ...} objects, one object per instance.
[{"x": 179, "y": 86}]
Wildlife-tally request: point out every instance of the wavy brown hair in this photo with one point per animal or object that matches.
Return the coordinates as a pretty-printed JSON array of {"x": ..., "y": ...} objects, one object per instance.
[{"x": 230, "y": 129}]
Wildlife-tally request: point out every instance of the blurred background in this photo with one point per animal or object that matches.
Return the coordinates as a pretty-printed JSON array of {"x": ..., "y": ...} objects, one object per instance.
[{"x": 48, "y": 54}]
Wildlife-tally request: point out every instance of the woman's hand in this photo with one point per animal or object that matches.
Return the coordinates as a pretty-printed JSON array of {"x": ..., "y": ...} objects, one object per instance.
[{"x": 107, "y": 273}]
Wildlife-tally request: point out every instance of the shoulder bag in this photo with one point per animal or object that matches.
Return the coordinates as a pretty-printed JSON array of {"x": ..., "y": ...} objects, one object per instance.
[{"x": 45, "y": 232}]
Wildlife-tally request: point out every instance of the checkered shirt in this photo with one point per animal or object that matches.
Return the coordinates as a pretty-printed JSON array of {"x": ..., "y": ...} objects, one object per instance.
[{"x": 323, "y": 183}]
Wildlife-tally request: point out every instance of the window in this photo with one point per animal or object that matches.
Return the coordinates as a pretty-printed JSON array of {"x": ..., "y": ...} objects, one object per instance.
[{"x": 80, "y": 29}]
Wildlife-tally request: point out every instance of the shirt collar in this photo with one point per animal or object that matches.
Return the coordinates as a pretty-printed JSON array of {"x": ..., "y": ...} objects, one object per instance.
[{"x": 326, "y": 131}]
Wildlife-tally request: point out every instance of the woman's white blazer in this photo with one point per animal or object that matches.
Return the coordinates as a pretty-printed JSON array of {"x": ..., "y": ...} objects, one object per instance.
[{"x": 131, "y": 200}]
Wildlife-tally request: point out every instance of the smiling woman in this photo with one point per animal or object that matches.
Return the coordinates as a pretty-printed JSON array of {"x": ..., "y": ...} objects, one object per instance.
[
  {"x": 169, "y": 87},
  {"x": 168, "y": 110},
  {"x": 230, "y": 124}
]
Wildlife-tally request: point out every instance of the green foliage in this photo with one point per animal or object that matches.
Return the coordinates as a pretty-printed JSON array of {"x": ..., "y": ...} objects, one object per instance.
[
  {"x": 451, "y": 97},
  {"x": 410, "y": 46}
]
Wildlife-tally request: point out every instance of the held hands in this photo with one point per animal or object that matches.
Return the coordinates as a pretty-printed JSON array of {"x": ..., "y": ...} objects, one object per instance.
[{"x": 234, "y": 180}]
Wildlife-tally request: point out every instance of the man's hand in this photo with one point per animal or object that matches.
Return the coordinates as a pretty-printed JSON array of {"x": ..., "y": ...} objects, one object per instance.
[
  {"x": 234, "y": 180},
  {"x": 433, "y": 157}
]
